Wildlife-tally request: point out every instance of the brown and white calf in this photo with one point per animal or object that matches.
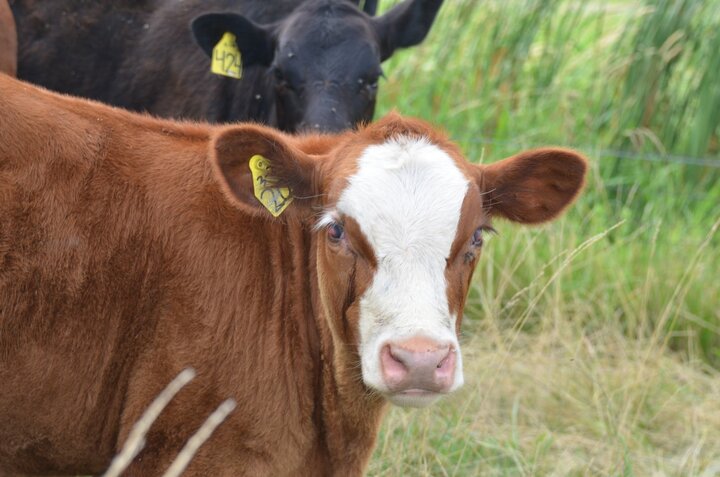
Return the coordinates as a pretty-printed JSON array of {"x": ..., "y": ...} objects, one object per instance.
[{"x": 131, "y": 247}]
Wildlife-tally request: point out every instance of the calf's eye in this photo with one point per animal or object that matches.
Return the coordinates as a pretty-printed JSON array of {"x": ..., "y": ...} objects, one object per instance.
[
  {"x": 477, "y": 238},
  {"x": 335, "y": 232}
]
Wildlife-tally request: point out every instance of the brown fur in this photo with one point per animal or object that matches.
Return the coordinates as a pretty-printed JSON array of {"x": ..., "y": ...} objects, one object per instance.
[
  {"x": 8, "y": 40},
  {"x": 131, "y": 248}
]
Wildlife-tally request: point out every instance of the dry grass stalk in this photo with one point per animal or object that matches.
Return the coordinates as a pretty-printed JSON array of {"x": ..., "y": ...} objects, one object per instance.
[
  {"x": 193, "y": 444},
  {"x": 136, "y": 439}
]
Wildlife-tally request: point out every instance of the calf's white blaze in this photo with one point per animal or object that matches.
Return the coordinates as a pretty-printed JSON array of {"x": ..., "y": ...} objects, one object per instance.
[{"x": 406, "y": 197}]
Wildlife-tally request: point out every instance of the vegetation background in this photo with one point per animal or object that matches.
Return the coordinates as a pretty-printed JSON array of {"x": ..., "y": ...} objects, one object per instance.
[{"x": 592, "y": 345}]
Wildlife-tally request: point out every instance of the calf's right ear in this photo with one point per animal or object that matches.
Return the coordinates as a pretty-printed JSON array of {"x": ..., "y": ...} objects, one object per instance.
[
  {"x": 288, "y": 173},
  {"x": 255, "y": 42}
]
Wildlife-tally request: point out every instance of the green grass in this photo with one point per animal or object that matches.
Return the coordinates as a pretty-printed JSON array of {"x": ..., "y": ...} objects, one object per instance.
[{"x": 592, "y": 345}]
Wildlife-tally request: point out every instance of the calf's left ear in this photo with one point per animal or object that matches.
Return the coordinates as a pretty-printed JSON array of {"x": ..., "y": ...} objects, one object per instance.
[
  {"x": 532, "y": 187},
  {"x": 405, "y": 25},
  {"x": 285, "y": 175}
]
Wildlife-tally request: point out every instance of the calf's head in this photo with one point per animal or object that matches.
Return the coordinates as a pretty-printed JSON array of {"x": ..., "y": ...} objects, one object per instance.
[
  {"x": 324, "y": 58},
  {"x": 399, "y": 218}
]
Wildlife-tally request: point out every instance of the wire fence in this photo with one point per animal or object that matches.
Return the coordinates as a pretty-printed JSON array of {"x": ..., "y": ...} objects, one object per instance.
[{"x": 713, "y": 162}]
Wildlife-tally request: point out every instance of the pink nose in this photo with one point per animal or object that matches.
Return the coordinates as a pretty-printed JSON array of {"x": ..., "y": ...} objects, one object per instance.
[{"x": 418, "y": 365}]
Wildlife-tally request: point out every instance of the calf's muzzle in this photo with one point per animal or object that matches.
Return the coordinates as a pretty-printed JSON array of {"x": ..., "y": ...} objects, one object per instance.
[{"x": 418, "y": 365}]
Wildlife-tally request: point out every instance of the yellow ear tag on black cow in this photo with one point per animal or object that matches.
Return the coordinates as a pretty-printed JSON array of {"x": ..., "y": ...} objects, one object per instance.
[
  {"x": 226, "y": 59},
  {"x": 275, "y": 199}
]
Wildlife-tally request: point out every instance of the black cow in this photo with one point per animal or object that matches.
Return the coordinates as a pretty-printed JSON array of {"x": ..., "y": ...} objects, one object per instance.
[{"x": 306, "y": 65}]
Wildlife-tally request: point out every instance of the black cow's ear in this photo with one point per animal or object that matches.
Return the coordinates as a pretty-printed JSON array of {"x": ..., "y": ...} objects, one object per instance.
[
  {"x": 368, "y": 6},
  {"x": 405, "y": 25},
  {"x": 255, "y": 42},
  {"x": 262, "y": 172}
]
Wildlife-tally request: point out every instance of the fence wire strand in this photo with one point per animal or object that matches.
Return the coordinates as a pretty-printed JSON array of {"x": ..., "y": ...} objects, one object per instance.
[{"x": 610, "y": 153}]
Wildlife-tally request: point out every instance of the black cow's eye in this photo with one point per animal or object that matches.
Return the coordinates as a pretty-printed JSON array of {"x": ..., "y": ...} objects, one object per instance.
[
  {"x": 369, "y": 83},
  {"x": 335, "y": 232},
  {"x": 284, "y": 81}
]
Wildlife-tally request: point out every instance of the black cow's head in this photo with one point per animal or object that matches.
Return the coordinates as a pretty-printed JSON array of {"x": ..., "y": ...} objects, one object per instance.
[{"x": 324, "y": 58}]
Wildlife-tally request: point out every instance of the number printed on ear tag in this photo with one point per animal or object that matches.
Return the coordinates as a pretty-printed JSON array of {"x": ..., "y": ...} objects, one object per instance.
[
  {"x": 275, "y": 199},
  {"x": 226, "y": 59}
]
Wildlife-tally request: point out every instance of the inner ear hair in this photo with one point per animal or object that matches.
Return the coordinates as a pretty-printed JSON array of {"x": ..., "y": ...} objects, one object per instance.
[
  {"x": 256, "y": 42},
  {"x": 235, "y": 146}
]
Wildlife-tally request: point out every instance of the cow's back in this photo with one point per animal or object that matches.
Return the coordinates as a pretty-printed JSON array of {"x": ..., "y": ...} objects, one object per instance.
[
  {"x": 119, "y": 266},
  {"x": 81, "y": 276},
  {"x": 56, "y": 324},
  {"x": 76, "y": 46},
  {"x": 137, "y": 54},
  {"x": 161, "y": 71},
  {"x": 8, "y": 40}
]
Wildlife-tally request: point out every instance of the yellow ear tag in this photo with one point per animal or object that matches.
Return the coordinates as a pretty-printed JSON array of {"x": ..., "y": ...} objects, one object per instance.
[
  {"x": 226, "y": 58},
  {"x": 275, "y": 199}
]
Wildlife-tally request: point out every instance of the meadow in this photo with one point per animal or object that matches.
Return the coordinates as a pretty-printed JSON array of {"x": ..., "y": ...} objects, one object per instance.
[{"x": 591, "y": 345}]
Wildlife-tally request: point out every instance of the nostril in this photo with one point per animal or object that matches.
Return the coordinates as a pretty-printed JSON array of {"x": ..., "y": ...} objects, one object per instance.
[
  {"x": 395, "y": 355},
  {"x": 443, "y": 361},
  {"x": 447, "y": 364},
  {"x": 394, "y": 370}
]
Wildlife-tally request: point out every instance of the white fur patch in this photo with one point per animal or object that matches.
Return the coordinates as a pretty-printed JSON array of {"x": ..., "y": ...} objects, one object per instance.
[{"x": 406, "y": 197}]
